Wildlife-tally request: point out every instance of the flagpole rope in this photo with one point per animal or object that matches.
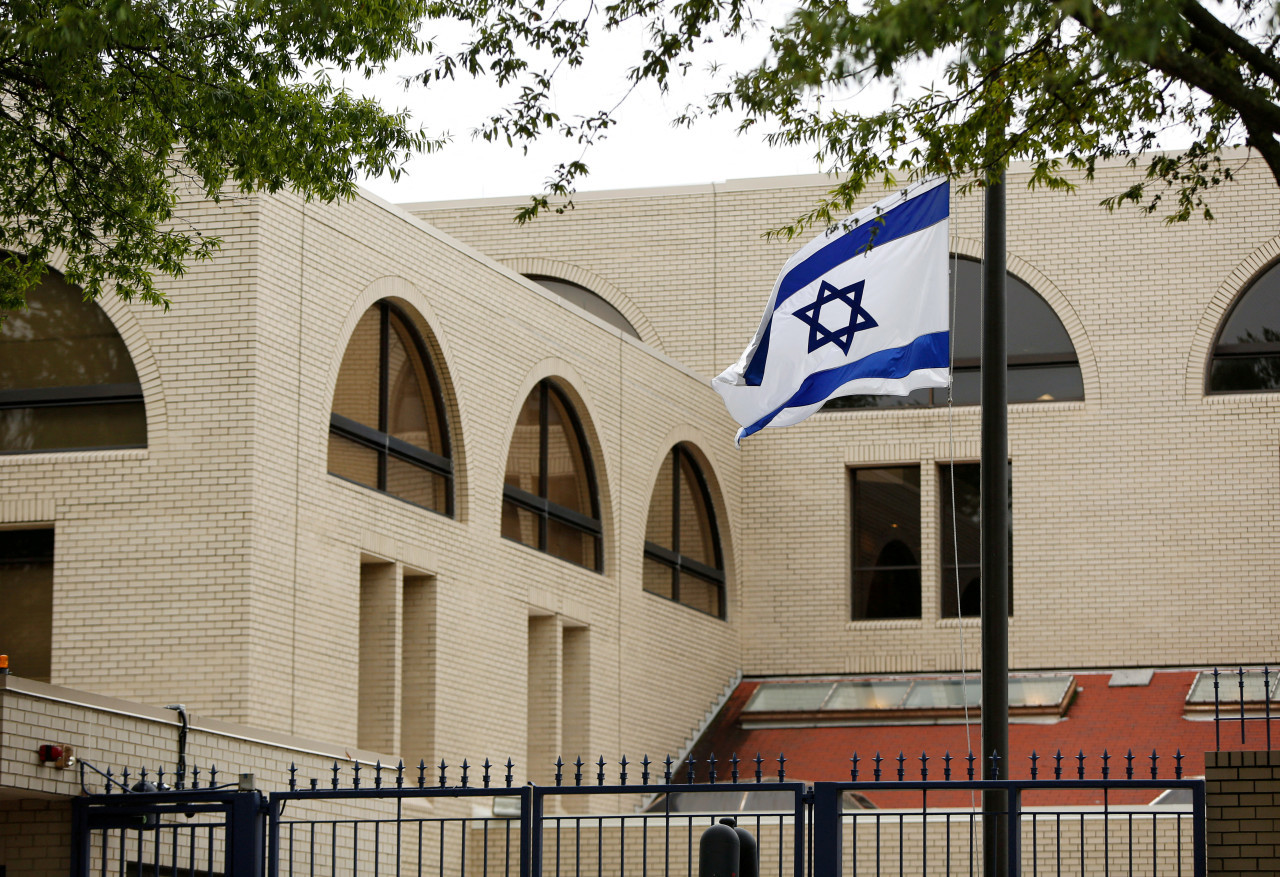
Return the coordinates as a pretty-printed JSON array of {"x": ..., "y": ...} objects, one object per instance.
[{"x": 951, "y": 472}]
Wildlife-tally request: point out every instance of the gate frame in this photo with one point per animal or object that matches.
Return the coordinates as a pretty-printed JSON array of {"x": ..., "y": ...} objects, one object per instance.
[
  {"x": 800, "y": 790},
  {"x": 244, "y": 819},
  {"x": 828, "y": 811}
]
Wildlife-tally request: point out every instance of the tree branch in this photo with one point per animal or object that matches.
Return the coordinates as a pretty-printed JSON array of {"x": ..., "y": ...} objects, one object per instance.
[{"x": 1208, "y": 24}]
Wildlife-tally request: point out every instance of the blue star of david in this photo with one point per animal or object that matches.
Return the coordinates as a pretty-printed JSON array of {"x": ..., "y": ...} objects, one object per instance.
[{"x": 859, "y": 319}]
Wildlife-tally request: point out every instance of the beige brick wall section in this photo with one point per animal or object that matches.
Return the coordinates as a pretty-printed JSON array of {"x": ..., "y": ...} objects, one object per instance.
[
  {"x": 1143, "y": 516},
  {"x": 221, "y": 565},
  {"x": 35, "y": 837},
  {"x": 1242, "y": 792}
]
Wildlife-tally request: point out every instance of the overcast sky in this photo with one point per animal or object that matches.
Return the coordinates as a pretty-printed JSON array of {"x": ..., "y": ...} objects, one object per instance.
[{"x": 642, "y": 150}]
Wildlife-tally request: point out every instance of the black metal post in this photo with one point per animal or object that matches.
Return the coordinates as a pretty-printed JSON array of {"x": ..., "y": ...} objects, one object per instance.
[{"x": 995, "y": 535}]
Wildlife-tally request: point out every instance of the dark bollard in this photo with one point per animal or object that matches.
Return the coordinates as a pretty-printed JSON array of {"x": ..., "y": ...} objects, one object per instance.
[
  {"x": 718, "y": 850},
  {"x": 748, "y": 853}
]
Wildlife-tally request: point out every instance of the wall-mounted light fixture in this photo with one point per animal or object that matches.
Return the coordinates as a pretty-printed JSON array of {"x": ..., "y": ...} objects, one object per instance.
[{"x": 60, "y": 756}]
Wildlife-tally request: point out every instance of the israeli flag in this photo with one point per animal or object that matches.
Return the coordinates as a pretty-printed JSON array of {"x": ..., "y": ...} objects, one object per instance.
[{"x": 862, "y": 309}]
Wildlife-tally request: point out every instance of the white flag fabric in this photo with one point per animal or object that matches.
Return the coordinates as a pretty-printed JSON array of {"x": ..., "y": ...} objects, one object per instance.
[{"x": 862, "y": 309}]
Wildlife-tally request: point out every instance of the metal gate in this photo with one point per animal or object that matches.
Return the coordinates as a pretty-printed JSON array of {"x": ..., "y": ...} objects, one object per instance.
[
  {"x": 193, "y": 832},
  {"x": 895, "y": 819}
]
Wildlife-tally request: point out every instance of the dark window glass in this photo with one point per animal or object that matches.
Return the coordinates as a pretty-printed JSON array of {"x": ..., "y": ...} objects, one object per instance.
[
  {"x": 1042, "y": 361},
  {"x": 66, "y": 379},
  {"x": 549, "y": 499},
  {"x": 886, "y": 542},
  {"x": 388, "y": 429},
  {"x": 682, "y": 559},
  {"x": 26, "y": 623},
  {"x": 587, "y": 300},
  {"x": 962, "y": 550},
  {"x": 1246, "y": 357}
]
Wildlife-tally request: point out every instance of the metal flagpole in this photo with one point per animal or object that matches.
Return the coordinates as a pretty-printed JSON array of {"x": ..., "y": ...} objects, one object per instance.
[{"x": 995, "y": 535}]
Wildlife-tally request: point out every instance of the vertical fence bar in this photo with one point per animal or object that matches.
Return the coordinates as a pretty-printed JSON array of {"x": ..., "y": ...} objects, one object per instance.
[
  {"x": 273, "y": 837},
  {"x": 800, "y": 833},
  {"x": 827, "y": 829}
]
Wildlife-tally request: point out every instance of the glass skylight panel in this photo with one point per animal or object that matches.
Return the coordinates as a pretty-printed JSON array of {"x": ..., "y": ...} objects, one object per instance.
[
  {"x": 788, "y": 697},
  {"x": 869, "y": 694},
  {"x": 1033, "y": 691},
  {"x": 944, "y": 694},
  {"x": 1229, "y": 687},
  {"x": 903, "y": 695}
]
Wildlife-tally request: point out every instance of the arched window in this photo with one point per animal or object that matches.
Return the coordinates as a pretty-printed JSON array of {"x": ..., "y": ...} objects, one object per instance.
[
  {"x": 1043, "y": 366},
  {"x": 549, "y": 499},
  {"x": 1246, "y": 357},
  {"x": 589, "y": 301},
  {"x": 67, "y": 381},
  {"x": 682, "y": 559},
  {"x": 388, "y": 429}
]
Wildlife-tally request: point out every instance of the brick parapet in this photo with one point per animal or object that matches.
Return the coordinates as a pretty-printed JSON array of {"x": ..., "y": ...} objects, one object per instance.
[{"x": 1242, "y": 796}]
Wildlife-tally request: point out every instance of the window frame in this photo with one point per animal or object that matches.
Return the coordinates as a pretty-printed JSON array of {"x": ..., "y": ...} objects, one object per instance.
[
  {"x": 41, "y": 554},
  {"x": 947, "y": 572},
  {"x": 543, "y": 509},
  {"x": 75, "y": 396},
  {"x": 1238, "y": 351},
  {"x": 672, "y": 558},
  {"x": 377, "y": 439},
  {"x": 855, "y": 569},
  {"x": 972, "y": 365}
]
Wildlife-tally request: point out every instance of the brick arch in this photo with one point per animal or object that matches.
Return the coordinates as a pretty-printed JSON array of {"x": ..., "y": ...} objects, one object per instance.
[
  {"x": 571, "y": 382},
  {"x": 417, "y": 307},
  {"x": 125, "y": 320},
  {"x": 597, "y": 284},
  {"x": 697, "y": 442},
  {"x": 135, "y": 341},
  {"x": 1057, "y": 301},
  {"x": 1224, "y": 297}
]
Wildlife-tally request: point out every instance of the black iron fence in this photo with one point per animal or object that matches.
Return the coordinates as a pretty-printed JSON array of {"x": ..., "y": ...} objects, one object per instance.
[
  {"x": 1243, "y": 696},
  {"x": 904, "y": 815}
]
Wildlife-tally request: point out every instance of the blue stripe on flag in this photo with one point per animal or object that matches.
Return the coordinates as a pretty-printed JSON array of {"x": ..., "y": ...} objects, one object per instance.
[
  {"x": 927, "y": 351},
  {"x": 898, "y": 222}
]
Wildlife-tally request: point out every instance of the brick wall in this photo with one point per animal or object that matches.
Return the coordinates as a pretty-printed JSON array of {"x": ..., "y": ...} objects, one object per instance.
[
  {"x": 1242, "y": 791},
  {"x": 221, "y": 565},
  {"x": 1142, "y": 515}
]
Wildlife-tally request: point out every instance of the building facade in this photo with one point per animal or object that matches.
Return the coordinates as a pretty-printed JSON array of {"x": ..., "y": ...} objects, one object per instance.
[{"x": 416, "y": 482}]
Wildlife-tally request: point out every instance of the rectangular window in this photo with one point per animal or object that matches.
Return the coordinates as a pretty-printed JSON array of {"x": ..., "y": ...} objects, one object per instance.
[
  {"x": 886, "y": 542},
  {"x": 962, "y": 549},
  {"x": 26, "y": 622}
]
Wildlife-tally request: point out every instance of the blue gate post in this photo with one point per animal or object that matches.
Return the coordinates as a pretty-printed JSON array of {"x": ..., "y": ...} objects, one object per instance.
[
  {"x": 531, "y": 824},
  {"x": 244, "y": 834},
  {"x": 1014, "y": 822},
  {"x": 1199, "y": 839},
  {"x": 801, "y": 834},
  {"x": 79, "y": 839},
  {"x": 273, "y": 835},
  {"x": 526, "y": 833},
  {"x": 827, "y": 829}
]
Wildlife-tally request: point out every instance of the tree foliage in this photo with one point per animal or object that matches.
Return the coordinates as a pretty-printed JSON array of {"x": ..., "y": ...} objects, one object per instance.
[
  {"x": 1061, "y": 85},
  {"x": 108, "y": 108}
]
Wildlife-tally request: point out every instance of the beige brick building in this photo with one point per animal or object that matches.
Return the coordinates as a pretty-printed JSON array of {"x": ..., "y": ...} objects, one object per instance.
[{"x": 489, "y": 574}]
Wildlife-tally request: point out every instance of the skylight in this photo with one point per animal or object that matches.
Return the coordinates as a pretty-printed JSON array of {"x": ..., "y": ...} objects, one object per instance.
[
  {"x": 1201, "y": 694},
  {"x": 900, "y": 699}
]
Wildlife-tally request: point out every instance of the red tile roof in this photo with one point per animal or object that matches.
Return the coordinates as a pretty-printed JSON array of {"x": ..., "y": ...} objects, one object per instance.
[{"x": 1117, "y": 720}]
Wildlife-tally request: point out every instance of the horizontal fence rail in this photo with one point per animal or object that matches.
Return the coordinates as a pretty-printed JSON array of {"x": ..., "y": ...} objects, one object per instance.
[{"x": 1075, "y": 814}]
